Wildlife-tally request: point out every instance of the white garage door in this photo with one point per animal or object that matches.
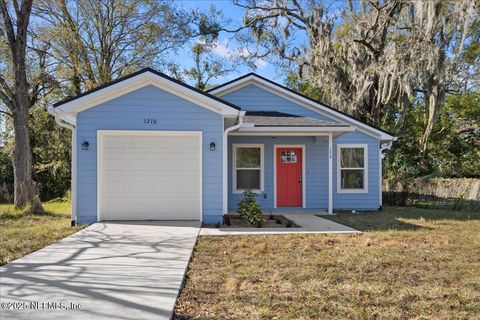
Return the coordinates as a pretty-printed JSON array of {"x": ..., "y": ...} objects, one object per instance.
[{"x": 150, "y": 175}]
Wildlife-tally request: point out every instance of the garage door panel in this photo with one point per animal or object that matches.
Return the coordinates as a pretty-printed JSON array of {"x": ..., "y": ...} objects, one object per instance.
[
  {"x": 142, "y": 174},
  {"x": 114, "y": 176},
  {"x": 119, "y": 187},
  {"x": 185, "y": 207},
  {"x": 187, "y": 176},
  {"x": 187, "y": 164},
  {"x": 151, "y": 177},
  {"x": 140, "y": 164},
  {"x": 163, "y": 143},
  {"x": 165, "y": 187},
  {"x": 138, "y": 187},
  {"x": 162, "y": 165},
  {"x": 116, "y": 163},
  {"x": 139, "y": 142},
  {"x": 112, "y": 142},
  {"x": 186, "y": 143},
  {"x": 188, "y": 189}
]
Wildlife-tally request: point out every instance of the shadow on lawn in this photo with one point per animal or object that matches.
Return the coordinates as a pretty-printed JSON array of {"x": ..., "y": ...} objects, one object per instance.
[{"x": 401, "y": 218}]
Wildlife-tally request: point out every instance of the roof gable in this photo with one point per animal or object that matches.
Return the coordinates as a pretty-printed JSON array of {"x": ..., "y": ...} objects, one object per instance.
[
  {"x": 253, "y": 97},
  {"x": 304, "y": 101},
  {"x": 138, "y": 80}
]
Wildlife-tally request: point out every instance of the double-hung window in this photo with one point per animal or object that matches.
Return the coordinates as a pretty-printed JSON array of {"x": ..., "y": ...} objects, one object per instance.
[
  {"x": 352, "y": 176},
  {"x": 247, "y": 167}
]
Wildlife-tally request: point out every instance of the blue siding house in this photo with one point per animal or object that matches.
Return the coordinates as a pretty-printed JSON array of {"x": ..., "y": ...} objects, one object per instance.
[{"x": 148, "y": 147}]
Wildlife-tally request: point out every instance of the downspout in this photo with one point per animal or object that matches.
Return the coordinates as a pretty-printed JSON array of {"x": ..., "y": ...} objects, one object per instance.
[
  {"x": 73, "y": 187},
  {"x": 241, "y": 114},
  {"x": 381, "y": 155}
]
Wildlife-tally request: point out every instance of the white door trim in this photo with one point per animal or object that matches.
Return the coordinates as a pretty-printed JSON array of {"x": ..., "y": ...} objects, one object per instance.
[
  {"x": 330, "y": 174},
  {"x": 304, "y": 177},
  {"x": 103, "y": 133}
]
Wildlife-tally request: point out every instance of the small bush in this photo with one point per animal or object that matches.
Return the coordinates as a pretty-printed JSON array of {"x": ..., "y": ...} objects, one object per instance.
[{"x": 250, "y": 210}]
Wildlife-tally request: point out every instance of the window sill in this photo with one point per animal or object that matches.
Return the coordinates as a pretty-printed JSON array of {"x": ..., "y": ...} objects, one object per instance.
[
  {"x": 352, "y": 190},
  {"x": 242, "y": 191}
]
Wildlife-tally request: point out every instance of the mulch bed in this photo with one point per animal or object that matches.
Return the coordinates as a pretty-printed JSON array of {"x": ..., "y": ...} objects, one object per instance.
[{"x": 271, "y": 221}]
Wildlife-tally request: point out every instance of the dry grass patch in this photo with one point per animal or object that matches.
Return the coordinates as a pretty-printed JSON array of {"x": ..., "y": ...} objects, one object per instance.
[
  {"x": 21, "y": 234},
  {"x": 416, "y": 264}
]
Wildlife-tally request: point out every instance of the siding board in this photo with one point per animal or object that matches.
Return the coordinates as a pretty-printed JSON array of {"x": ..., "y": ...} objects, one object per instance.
[{"x": 253, "y": 98}]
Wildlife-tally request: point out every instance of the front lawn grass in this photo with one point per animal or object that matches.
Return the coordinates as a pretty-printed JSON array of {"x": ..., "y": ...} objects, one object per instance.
[
  {"x": 408, "y": 264},
  {"x": 21, "y": 234}
]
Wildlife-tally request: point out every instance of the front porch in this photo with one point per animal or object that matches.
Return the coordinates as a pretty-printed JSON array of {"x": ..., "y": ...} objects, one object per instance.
[
  {"x": 299, "y": 164},
  {"x": 315, "y": 177},
  {"x": 286, "y": 160}
]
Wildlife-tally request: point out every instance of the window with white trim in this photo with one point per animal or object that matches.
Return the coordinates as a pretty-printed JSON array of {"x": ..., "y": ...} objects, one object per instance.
[
  {"x": 352, "y": 168},
  {"x": 248, "y": 167}
]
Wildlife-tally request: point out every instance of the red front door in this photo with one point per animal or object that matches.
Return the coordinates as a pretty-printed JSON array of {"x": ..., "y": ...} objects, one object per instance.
[{"x": 289, "y": 177}]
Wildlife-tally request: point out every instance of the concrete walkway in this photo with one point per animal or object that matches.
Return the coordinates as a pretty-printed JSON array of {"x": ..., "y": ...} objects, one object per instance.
[
  {"x": 127, "y": 270},
  {"x": 307, "y": 222}
]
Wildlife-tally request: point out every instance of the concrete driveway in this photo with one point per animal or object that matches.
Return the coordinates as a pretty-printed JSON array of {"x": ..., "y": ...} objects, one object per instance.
[{"x": 114, "y": 270}]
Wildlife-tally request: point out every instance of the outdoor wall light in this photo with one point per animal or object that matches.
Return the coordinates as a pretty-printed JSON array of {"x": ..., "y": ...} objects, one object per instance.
[
  {"x": 212, "y": 146},
  {"x": 85, "y": 145}
]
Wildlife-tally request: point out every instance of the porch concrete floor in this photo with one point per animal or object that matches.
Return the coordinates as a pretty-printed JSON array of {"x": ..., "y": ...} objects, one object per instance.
[{"x": 308, "y": 223}]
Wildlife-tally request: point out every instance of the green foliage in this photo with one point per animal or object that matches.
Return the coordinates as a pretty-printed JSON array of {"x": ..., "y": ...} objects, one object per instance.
[
  {"x": 6, "y": 176},
  {"x": 453, "y": 150},
  {"x": 250, "y": 210},
  {"x": 51, "y": 154},
  {"x": 51, "y": 148},
  {"x": 295, "y": 82},
  {"x": 454, "y": 147}
]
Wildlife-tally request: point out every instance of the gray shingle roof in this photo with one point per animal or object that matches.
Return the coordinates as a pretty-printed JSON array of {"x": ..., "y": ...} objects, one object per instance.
[{"x": 280, "y": 119}]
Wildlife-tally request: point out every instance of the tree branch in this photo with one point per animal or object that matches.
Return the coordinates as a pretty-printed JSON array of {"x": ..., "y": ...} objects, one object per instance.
[
  {"x": 6, "y": 94},
  {"x": 8, "y": 24},
  {"x": 6, "y": 113},
  {"x": 467, "y": 129}
]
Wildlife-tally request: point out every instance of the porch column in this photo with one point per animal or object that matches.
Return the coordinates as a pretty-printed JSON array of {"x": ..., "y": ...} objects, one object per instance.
[
  {"x": 225, "y": 173},
  {"x": 330, "y": 174},
  {"x": 73, "y": 178}
]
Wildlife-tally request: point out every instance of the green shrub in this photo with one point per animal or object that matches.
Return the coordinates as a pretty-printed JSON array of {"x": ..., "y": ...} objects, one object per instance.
[{"x": 250, "y": 210}]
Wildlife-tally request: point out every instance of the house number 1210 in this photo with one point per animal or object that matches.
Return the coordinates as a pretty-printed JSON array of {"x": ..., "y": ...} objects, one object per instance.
[{"x": 150, "y": 121}]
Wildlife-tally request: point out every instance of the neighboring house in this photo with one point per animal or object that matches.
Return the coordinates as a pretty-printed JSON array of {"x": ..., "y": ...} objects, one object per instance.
[{"x": 150, "y": 147}]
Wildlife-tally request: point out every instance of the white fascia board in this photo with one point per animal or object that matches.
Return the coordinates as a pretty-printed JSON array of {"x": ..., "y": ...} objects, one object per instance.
[
  {"x": 296, "y": 129},
  {"x": 139, "y": 81},
  {"x": 279, "y": 134},
  {"x": 67, "y": 117},
  {"x": 233, "y": 86},
  {"x": 317, "y": 107}
]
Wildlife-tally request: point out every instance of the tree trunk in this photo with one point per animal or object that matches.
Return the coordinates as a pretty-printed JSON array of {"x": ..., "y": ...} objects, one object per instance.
[
  {"x": 26, "y": 195},
  {"x": 434, "y": 99},
  {"x": 19, "y": 100}
]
